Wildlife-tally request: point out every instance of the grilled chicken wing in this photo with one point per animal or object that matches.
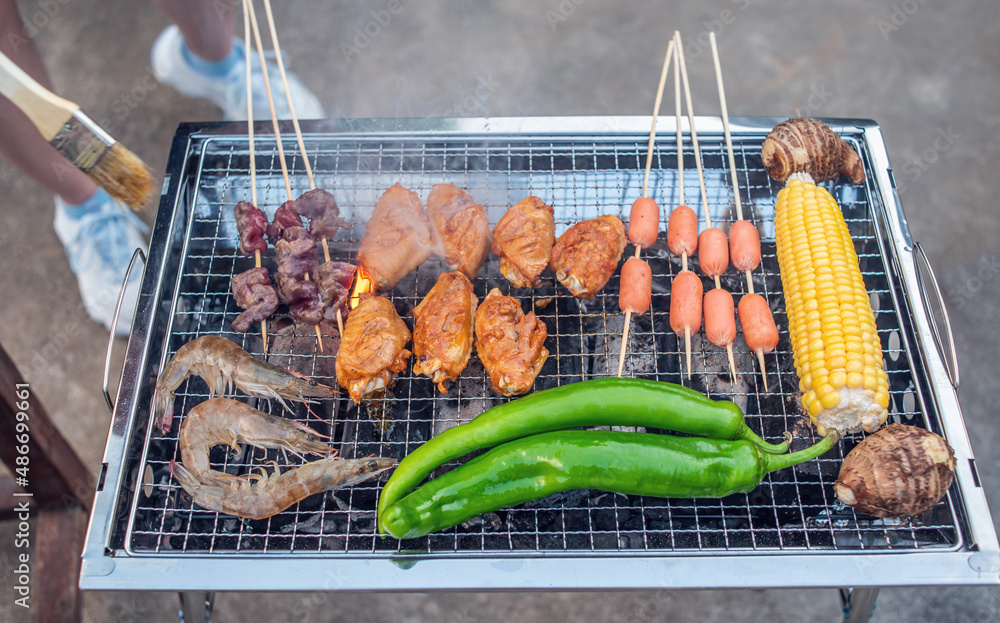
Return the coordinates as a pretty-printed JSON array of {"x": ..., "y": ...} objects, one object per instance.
[
  {"x": 443, "y": 330},
  {"x": 372, "y": 347},
  {"x": 462, "y": 232},
  {"x": 397, "y": 239},
  {"x": 587, "y": 254},
  {"x": 523, "y": 241},
  {"x": 510, "y": 343}
]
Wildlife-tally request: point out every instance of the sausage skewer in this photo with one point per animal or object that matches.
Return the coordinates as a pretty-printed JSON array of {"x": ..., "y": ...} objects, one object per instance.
[
  {"x": 636, "y": 286},
  {"x": 759, "y": 329},
  {"x": 685, "y": 309},
  {"x": 713, "y": 262},
  {"x": 744, "y": 243},
  {"x": 744, "y": 240},
  {"x": 682, "y": 227},
  {"x": 298, "y": 136},
  {"x": 274, "y": 117},
  {"x": 720, "y": 323},
  {"x": 253, "y": 160}
]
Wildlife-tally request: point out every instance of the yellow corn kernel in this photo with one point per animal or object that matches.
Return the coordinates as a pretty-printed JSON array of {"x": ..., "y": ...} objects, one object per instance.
[{"x": 831, "y": 324}]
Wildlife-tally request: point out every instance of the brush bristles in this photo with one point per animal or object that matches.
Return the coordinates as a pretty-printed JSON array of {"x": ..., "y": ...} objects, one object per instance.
[{"x": 124, "y": 176}]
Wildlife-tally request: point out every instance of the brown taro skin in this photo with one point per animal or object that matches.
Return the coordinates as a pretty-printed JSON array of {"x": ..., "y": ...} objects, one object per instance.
[
  {"x": 900, "y": 471},
  {"x": 808, "y": 145}
]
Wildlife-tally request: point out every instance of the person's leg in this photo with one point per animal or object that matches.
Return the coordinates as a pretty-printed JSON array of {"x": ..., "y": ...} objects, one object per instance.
[
  {"x": 20, "y": 142},
  {"x": 207, "y": 25}
]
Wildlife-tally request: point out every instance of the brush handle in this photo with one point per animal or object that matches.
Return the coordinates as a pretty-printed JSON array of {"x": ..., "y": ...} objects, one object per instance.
[{"x": 47, "y": 111}]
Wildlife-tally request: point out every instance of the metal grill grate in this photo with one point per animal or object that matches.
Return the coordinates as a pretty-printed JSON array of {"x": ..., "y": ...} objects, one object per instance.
[{"x": 792, "y": 510}]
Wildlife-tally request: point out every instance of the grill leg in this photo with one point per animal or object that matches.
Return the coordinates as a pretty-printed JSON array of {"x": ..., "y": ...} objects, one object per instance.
[
  {"x": 196, "y": 607},
  {"x": 859, "y": 604}
]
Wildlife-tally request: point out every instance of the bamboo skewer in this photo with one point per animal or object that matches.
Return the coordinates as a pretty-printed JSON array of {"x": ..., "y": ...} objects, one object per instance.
[
  {"x": 729, "y": 141},
  {"x": 298, "y": 129},
  {"x": 253, "y": 162},
  {"x": 680, "y": 141},
  {"x": 274, "y": 120},
  {"x": 645, "y": 183}
]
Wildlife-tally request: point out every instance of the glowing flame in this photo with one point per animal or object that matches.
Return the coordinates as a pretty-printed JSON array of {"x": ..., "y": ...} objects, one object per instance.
[{"x": 362, "y": 285}]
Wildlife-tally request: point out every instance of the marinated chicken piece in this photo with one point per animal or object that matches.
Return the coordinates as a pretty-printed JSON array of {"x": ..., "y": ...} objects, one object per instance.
[
  {"x": 523, "y": 241},
  {"x": 443, "y": 330},
  {"x": 587, "y": 254},
  {"x": 372, "y": 348},
  {"x": 285, "y": 217},
  {"x": 321, "y": 209},
  {"x": 510, "y": 343},
  {"x": 397, "y": 238},
  {"x": 334, "y": 281},
  {"x": 462, "y": 232},
  {"x": 253, "y": 292},
  {"x": 251, "y": 223}
]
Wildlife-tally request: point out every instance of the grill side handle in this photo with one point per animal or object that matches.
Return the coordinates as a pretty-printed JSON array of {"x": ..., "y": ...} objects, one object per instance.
[
  {"x": 114, "y": 323},
  {"x": 947, "y": 351}
]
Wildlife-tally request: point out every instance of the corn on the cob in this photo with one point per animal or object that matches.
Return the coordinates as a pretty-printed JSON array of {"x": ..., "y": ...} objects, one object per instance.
[{"x": 836, "y": 347}]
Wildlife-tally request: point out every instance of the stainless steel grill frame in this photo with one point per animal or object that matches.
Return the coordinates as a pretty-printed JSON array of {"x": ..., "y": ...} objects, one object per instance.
[{"x": 790, "y": 532}]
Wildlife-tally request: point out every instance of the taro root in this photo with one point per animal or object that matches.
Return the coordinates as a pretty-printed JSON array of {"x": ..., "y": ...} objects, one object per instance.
[
  {"x": 900, "y": 471},
  {"x": 807, "y": 145}
]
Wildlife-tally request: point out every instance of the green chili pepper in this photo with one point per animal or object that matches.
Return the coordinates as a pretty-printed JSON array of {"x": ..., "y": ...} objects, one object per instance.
[
  {"x": 599, "y": 402},
  {"x": 632, "y": 463}
]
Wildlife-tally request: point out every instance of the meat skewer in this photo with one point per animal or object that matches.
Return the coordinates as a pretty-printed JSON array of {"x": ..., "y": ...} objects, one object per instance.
[
  {"x": 744, "y": 245},
  {"x": 720, "y": 322},
  {"x": 252, "y": 289},
  {"x": 636, "y": 287},
  {"x": 320, "y": 206},
  {"x": 277, "y": 138}
]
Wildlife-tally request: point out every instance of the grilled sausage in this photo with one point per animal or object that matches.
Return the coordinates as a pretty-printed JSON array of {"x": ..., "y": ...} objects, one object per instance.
[
  {"x": 636, "y": 286},
  {"x": 644, "y": 223},
  {"x": 682, "y": 231},
  {"x": 713, "y": 252},
  {"x": 720, "y": 317},
  {"x": 744, "y": 246},
  {"x": 758, "y": 324},
  {"x": 685, "y": 302}
]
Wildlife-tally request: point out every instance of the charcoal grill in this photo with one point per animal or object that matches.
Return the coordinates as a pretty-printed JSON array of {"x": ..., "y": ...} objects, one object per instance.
[{"x": 145, "y": 533}]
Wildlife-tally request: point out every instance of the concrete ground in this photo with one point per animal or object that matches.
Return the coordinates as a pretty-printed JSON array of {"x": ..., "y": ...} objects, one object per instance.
[{"x": 929, "y": 73}]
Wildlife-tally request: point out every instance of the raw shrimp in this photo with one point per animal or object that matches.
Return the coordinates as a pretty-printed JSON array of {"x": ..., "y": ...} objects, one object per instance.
[
  {"x": 221, "y": 421},
  {"x": 270, "y": 494},
  {"x": 222, "y": 364}
]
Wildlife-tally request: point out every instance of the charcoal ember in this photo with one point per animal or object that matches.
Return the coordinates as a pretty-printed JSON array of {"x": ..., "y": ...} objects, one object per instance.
[
  {"x": 378, "y": 404},
  {"x": 285, "y": 217},
  {"x": 293, "y": 347},
  {"x": 334, "y": 280},
  {"x": 254, "y": 292},
  {"x": 295, "y": 253},
  {"x": 251, "y": 223},
  {"x": 487, "y": 522},
  {"x": 569, "y": 499}
]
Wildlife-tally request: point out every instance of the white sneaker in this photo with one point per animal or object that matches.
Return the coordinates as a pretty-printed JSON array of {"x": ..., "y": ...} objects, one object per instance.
[
  {"x": 229, "y": 92},
  {"x": 99, "y": 245}
]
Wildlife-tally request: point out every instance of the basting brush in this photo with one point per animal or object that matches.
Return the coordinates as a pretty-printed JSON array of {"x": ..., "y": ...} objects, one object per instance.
[{"x": 75, "y": 135}]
